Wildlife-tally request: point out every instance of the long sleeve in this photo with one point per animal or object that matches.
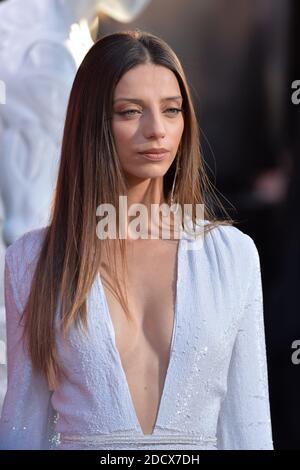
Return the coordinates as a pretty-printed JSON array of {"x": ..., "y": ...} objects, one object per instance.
[
  {"x": 244, "y": 419},
  {"x": 27, "y": 414}
]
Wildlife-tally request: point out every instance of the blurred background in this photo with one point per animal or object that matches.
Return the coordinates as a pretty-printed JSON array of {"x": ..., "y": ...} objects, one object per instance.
[{"x": 240, "y": 58}]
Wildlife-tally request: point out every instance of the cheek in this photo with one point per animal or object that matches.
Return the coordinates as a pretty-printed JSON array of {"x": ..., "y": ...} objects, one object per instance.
[
  {"x": 177, "y": 134},
  {"x": 122, "y": 135}
]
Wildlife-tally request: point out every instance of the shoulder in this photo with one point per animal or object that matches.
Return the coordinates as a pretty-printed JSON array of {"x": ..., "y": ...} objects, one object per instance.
[
  {"x": 21, "y": 257},
  {"x": 230, "y": 239},
  {"x": 230, "y": 249},
  {"x": 232, "y": 261},
  {"x": 26, "y": 247}
]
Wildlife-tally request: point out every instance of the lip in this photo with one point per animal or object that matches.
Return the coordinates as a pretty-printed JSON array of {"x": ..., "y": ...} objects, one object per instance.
[
  {"x": 155, "y": 150},
  {"x": 155, "y": 154},
  {"x": 155, "y": 157}
]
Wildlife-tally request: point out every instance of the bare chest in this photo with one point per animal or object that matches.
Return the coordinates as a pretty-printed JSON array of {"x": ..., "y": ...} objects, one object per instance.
[{"x": 144, "y": 344}]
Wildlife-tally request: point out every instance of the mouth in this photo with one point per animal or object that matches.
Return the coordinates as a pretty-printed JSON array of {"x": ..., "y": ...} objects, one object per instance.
[{"x": 155, "y": 157}]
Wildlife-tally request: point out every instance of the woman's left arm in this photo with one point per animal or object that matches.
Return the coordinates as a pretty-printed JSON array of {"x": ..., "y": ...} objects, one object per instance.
[{"x": 244, "y": 419}]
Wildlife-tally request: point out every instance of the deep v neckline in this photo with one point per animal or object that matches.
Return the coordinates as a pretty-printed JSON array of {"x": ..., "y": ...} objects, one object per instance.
[{"x": 166, "y": 385}]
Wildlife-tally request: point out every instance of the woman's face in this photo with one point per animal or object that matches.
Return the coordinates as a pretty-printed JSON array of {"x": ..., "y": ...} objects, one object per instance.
[{"x": 146, "y": 114}]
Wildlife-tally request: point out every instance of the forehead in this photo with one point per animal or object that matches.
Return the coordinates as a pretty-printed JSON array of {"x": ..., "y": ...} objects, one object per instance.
[{"x": 148, "y": 80}]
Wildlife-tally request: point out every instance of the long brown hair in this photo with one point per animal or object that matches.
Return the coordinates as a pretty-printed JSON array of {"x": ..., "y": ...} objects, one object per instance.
[{"x": 90, "y": 174}]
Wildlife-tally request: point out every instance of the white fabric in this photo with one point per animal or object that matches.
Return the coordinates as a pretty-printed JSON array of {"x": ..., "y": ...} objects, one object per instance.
[{"x": 215, "y": 394}]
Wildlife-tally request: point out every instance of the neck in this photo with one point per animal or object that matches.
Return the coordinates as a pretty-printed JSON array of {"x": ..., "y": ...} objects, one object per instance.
[
  {"x": 148, "y": 192},
  {"x": 145, "y": 192}
]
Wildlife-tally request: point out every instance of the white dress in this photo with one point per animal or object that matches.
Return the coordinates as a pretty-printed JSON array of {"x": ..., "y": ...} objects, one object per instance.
[{"x": 215, "y": 394}]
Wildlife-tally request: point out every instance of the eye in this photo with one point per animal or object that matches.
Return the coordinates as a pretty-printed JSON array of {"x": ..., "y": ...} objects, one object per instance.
[
  {"x": 178, "y": 110},
  {"x": 126, "y": 113},
  {"x": 130, "y": 112}
]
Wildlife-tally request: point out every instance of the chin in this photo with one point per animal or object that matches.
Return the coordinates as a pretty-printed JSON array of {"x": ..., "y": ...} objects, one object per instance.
[
  {"x": 144, "y": 173},
  {"x": 147, "y": 175}
]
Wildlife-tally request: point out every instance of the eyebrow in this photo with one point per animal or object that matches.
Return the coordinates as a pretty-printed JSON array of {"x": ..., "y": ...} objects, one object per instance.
[{"x": 137, "y": 100}]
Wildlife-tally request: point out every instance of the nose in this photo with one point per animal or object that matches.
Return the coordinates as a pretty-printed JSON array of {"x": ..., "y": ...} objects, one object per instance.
[{"x": 154, "y": 125}]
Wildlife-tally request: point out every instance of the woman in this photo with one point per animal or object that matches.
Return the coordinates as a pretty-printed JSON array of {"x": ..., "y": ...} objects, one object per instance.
[{"x": 109, "y": 354}]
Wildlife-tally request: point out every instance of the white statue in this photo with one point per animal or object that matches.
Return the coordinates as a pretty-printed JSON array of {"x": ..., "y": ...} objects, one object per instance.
[{"x": 42, "y": 43}]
